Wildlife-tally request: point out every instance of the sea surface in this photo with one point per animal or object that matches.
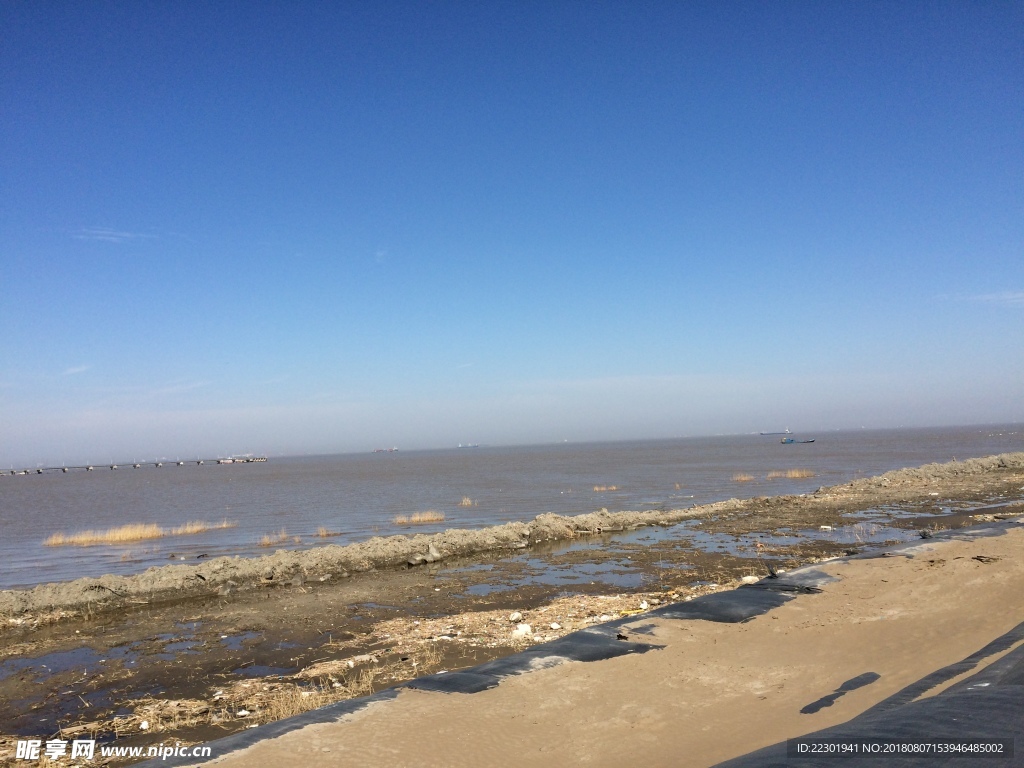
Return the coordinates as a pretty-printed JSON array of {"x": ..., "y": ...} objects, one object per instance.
[{"x": 357, "y": 496}]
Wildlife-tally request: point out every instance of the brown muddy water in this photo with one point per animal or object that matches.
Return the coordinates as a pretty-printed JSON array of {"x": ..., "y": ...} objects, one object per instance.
[{"x": 358, "y": 496}]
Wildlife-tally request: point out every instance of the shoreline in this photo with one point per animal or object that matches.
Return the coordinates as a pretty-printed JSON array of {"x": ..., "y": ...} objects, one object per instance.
[
  {"x": 225, "y": 575},
  {"x": 199, "y": 664},
  {"x": 905, "y": 666}
]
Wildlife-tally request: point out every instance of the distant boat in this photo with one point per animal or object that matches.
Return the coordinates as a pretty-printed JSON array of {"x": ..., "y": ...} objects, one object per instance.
[
  {"x": 787, "y": 432},
  {"x": 788, "y": 440}
]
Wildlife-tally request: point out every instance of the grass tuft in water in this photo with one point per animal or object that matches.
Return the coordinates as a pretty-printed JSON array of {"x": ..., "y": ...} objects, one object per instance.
[
  {"x": 270, "y": 539},
  {"x": 791, "y": 474},
  {"x": 132, "y": 532},
  {"x": 430, "y": 516}
]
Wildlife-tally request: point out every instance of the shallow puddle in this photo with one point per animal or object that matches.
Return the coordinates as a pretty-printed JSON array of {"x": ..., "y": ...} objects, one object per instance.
[
  {"x": 51, "y": 664},
  {"x": 259, "y": 670},
  {"x": 237, "y": 642}
]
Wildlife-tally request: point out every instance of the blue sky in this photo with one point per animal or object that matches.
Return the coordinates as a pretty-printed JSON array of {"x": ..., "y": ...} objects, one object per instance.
[{"x": 319, "y": 227}]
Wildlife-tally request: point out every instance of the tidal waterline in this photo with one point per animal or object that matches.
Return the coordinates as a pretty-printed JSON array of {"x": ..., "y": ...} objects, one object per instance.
[{"x": 356, "y": 496}]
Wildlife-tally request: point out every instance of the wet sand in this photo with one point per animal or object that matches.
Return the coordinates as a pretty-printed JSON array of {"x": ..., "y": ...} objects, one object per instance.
[{"x": 199, "y": 663}]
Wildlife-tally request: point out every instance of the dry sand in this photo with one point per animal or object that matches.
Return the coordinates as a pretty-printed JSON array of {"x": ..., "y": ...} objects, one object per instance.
[{"x": 714, "y": 691}]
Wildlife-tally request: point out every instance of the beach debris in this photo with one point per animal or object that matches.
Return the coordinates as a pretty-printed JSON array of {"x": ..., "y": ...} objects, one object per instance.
[
  {"x": 825, "y": 528},
  {"x": 76, "y": 730},
  {"x": 297, "y": 581},
  {"x": 555, "y": 625},
  {"x": 515, "y": 617},
  {"x": 522, "y": 631},
  {"x": 144, "y": 725},
  {"x": 432, "y": 556},
  {"x": 622, "y": 636},
  {"x": 985, "y": 559},
  {"x": 644, "y": 605},
  {"x": 750, "y": 580}
]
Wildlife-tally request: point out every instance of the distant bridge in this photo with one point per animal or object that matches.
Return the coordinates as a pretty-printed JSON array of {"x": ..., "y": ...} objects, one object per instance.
[{"x": 134, "y": 465}]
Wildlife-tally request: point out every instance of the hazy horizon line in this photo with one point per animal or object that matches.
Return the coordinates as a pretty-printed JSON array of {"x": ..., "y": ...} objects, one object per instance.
[{"x": 127, "y": 463}]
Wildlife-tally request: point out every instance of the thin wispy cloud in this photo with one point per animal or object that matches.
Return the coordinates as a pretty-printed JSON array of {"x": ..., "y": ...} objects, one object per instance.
[
  {"x": 75, "y": 369},
  {"x": 177, "y": 389},
  {"x": 1006, "y": 298},
  {"x": 106, "y": 235}
]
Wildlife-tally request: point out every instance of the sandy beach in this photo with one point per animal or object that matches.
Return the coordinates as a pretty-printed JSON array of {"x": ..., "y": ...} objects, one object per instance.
[
  {"x": 711, "y": 690},
  {"x": 167, "y": 657}
]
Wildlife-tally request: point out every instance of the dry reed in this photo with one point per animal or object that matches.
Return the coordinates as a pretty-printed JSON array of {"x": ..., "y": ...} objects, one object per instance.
[
  {"x": 467, "y": 502},
  {"x": 323, "y": 532},
  {"x": 293, "y": 700},
  {"x": 791, "y": 474},
  {"x": 120, "y": 535},
  {"x": 198, "y": 526},
  {"x": 270, "y": 539},
  {"x": 430, "y": 516},
  {"x": 603, "y": 488},
  {"x": 125, "y": 534},
  {"x": 742, "y": 477}
]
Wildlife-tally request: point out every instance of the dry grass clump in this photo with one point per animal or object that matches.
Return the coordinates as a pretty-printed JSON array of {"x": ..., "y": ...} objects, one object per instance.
[
  {"x": 742, "y": 477},
  {"x": 603, "y": 488},
  {"x": 125, "y": 534},
  {"x": 270, "y": 539},
  {"x": 120, "y": 535},
  {"x": 198, "y": 526},
  {"x": 467, "y": 502},
  {"x": 430, "y": 516},
  {"x": 791, "y": 474},
  {"x": 284, "y": 700},
  {"x": 323, "y": 532}
]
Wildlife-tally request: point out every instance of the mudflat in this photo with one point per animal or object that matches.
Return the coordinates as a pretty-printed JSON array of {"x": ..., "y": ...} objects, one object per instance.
[{"x": 197, "y": 652}]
